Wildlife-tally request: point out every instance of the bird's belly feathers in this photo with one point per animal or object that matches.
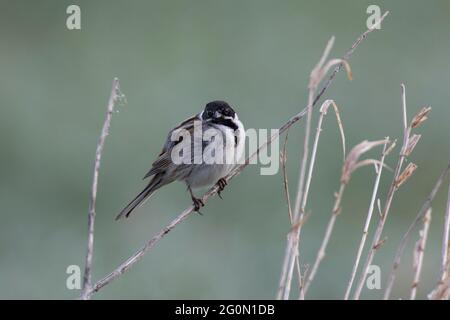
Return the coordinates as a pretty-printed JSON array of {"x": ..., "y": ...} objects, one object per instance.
[
  {"x": 209, "y": 173},
  {"x": 206, "y": 175}
]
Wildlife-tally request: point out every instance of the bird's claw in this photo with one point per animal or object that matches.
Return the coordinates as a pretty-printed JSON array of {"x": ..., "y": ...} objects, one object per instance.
[
  {"x": 221, "y": 183},
  {"x": 198, "y": 203}
]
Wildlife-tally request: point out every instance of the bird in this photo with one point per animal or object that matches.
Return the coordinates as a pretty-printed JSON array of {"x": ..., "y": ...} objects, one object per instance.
[{"x": 200, "y": 151}]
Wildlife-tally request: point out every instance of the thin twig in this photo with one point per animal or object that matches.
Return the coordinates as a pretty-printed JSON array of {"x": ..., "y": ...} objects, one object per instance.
[
  {"x": 292, "y": 256},
  {"x": 367, "y": 223},
  {"x": 283, "y": 158},
  {"x": 445, "y": 241},
  {"x": 392, "y": 189},
  {"x": 138, "y": 255},
  {"x": 350, "y": 165},
  {"x": 442, "y": 290},
  {"x": 113, "y": 98},
  {"x": 412, "y": 226},
  {"x": 419, "y": 253},
  {"x": 321, "y": 252},
  {"x": 317, "y": 74},
  {"x": 323, "y": 112},
  {"x": 213, "y": 190},
  {"x": 299, "y": 214}
]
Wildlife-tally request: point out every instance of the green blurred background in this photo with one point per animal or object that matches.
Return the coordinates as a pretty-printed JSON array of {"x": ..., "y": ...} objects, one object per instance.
[{"x": 172, "y": 57}]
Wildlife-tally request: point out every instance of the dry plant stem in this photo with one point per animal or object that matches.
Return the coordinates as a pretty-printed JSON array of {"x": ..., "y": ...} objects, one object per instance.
[
  {"x": 299, "y": 213},
  {"x": 412, "y": 226},
  {"x": 350, "y": 165},
  {"x": 136, "y": 256},
  {"x": 291, "y": 252},
  {"x": 390, "y": 196},
  {"x": 283, "y": 157},
  {"x": 442, "y": 290},
  {"x": 316, "y": 77},
  {"x": 301, "y": 198},
  {"x": 326, "y": 239},
  {"x": 152, "y": 241},
  {"x": 419, "y": 253},
  {"x": 445, "y": 241},
  {"x": 367, "y": 223},
  {"x": 285, "y": 177},
  {"x": 91, "y": 215},
  {"x": 304, "y": 162},
  {"x": 323, "y": 111},
  {"x": 302, "y": 195}
]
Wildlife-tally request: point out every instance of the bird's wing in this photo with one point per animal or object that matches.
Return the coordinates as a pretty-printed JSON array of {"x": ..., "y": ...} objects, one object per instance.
[{"x": 164, "y": 160}]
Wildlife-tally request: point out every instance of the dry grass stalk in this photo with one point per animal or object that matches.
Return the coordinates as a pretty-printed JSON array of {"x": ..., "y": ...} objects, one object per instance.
[
  {"x": 412, "y": 226},
  {"x": 291, "y": 252},
  {"x": 379, "y": 169},
  {"x": 114, "y": 97},
  {"x": 323, "y": 112},
  {"x": 317, "y": 74},
  {"x": 419, "y": 253},
  {"x": 390, "y": 196},
  {"x": 352, "y": 160},
  {"x": 354, "y": 154},
  {"x": 283, "y": 160},
  {"x": 293, "y": 239},
  {"x": 445, "y": 240},
  {"x": 442, "y": 291}
]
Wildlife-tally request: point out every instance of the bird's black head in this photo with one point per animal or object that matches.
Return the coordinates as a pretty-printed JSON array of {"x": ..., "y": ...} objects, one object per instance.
[
  {"x": 220, "y": 112},
  {"x": 217, "y": 109}
]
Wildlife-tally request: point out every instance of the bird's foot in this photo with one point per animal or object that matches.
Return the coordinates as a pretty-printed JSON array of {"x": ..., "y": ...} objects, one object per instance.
[
  {"x": 198, "y": 203},
  {"x": 221, "y": 183}
]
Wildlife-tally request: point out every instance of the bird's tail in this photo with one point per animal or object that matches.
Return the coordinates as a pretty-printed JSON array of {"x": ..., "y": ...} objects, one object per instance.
[{"x": 136, "y": 202}]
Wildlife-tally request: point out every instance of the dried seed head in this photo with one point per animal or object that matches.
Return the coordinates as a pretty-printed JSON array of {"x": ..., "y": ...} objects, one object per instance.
[
  {"x": 366, "y": 162},
  {"x": 391, "y": 147},
  {"x": 405, "y": 174},
  {"x": 324, "y": 109},
  {"x": 351, "y": 161},
  {"x": 348, "y": 70},
  {"x": 420, "y": 117},
  {"x": 412, "y": 143},
  {"x": 321, "y": 70}
]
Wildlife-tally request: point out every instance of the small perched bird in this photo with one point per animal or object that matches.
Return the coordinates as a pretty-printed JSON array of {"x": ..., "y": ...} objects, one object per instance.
[{"x": 201, "y": 159}]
